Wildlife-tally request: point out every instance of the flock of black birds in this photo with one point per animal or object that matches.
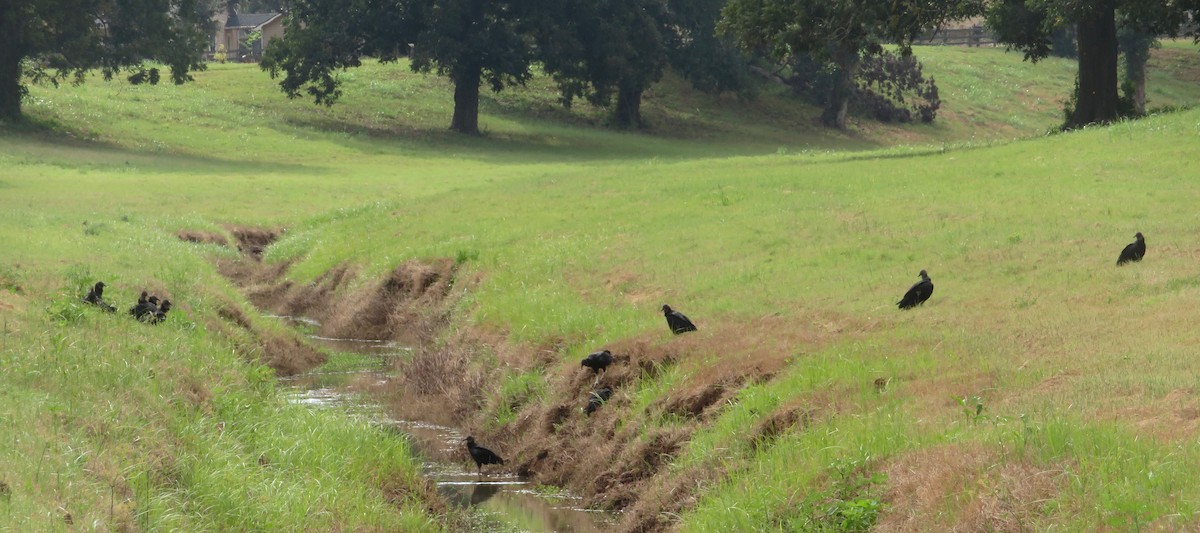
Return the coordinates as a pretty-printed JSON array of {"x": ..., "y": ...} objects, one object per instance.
[
  {"x": 148, "y": 308},
  {"x": 679, "y": 323}
]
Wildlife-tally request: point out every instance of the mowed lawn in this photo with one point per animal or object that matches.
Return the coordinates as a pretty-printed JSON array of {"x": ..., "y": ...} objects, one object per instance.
[{"x": 1040, "y": 387}]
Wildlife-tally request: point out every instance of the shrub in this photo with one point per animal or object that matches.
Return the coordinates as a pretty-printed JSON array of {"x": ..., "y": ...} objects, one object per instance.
[
  {"x": 892, "y": 88},
  {"x": 888, "y": 87}
]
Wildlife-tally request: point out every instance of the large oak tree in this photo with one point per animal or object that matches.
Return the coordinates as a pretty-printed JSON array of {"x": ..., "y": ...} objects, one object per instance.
[
  {"x": 1028, "y": 24},
  {"x": 59, "y": 40}
]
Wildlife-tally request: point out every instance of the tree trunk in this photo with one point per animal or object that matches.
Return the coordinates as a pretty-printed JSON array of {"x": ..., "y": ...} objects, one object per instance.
[
  {"x": 629, "y": 107},
  {"x": 1097, "y": 98},
  {"x": 466, "y": 101},
  {"x": 837, "y": 104},
  {"x": 1139, "y": 91},
  {"x": 12, "y": 50},
  {"x": 1135, "y": 46}
]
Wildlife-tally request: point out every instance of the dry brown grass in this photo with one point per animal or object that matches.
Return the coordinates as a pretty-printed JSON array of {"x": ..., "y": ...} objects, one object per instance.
[
  {"x": 202, "y": 237},
  {"x": 965, "y": 488},
  {"x": 252, "y": 241},
  {"x": 282, "y": 351}
]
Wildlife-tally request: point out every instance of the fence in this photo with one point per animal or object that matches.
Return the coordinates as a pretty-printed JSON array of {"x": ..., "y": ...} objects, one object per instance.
[{"x": 973, "y": 36}]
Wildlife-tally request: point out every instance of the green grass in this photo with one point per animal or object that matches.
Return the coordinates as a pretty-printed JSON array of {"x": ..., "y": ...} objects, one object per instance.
[
  {"x": 119, "y": 424},
  {"x": 731, "y": 211}
]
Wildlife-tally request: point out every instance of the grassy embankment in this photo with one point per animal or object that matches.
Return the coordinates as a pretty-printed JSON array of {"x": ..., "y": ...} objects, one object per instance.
[{"x": 1082, "y": 370}]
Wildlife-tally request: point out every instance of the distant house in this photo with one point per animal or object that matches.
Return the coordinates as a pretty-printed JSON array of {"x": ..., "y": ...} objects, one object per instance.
[{"x": 233, "y": 28}]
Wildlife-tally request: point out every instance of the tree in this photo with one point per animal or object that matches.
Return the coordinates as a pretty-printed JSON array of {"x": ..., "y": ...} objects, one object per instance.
[
  {"x": 57, "y": 40},
  {"x": 836, "y": 32},
  {"x": 1027, "y": 25},
  {"x": 711, "y": 63},
  {"x": 598, "y": 49},
  {"x": 470, "y": 41}
]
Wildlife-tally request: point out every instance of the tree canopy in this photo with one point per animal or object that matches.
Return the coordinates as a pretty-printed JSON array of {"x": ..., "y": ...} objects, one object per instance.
[
  {"x": 470, "y": 41},
  {"x": 58, "y": 40},
  {"x": 837, "y": 32},
  {"x": 1028, "y": 25},
  {"x": 601, "y": 48}
]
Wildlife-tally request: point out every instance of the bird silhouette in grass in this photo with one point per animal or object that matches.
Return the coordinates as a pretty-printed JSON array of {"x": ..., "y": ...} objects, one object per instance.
[
  {"x": 95, "y": 296},
  {"x": 919, "y": 292},
  {"x": 597, "y": 398},
  {"x": 677, "y": 321},
  {"x": 1133, "y": 251},
  {"x": 482, "y": 456}
]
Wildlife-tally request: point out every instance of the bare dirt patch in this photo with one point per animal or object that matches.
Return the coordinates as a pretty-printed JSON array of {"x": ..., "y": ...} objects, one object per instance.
[
  {"x": 280, "y": 350},
  {"x": 253, "y": 241},
  {"x": 202, "y": 237}
]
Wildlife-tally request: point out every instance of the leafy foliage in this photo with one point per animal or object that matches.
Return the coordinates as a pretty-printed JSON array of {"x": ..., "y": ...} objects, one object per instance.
[
  {"x": 1031, "y": 25},
  {"x": 601, "y": 49},
  {"x": 711, "y": 63},
  {"x": 849, "y": 505},
  {"x": 892, "y": 88},
  {"x": 887, "y": 87},
  {"x": 471, "y": 41},
  {"x": 838, "y": 33},
  {"x": 52, "y": 41}
]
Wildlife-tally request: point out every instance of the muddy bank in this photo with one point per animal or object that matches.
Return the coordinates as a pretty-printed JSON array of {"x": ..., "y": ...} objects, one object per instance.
[{"x": 609, "y": 458}]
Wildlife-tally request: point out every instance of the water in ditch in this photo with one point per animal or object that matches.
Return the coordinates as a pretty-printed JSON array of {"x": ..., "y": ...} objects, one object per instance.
[{"x": 497, "y": 500}]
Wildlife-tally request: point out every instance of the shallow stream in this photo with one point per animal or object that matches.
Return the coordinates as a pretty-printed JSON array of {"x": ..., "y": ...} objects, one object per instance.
[{"x": 497, "y": 500}]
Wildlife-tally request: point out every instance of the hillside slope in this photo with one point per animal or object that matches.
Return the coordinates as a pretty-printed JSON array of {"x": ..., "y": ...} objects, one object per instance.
[{"x": 1040, "y": 387}]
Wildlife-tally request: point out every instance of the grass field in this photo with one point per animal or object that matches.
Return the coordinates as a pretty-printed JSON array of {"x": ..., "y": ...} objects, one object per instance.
[{"x": 1040, "y": 388}]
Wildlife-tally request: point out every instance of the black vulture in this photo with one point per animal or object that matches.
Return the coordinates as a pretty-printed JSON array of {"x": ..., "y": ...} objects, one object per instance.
[
  {"x": 95, "y": 296},
  {"x": 597, "y": 398},
  {"x": 161, "y": 313},
  {"x": 919, "y": 292},
  {"x": 598, "y": 361},
  {"x": 146, "y": 310},
  {"x": 1134, "y": 251},
  {"x": 482, "y": 456},
  {"x": 676, "y": 321},
  {"x": 141, "y": 303}
]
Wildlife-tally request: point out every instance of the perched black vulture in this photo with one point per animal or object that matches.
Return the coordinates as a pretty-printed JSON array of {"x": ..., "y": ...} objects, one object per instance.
[
  {"x": 597, "y": 398},
  {"x": 919, "y": 292},
  {"x": 598, "y": 361},
  {"x": 482, "y": 456},
  {"x": 95, "y": 296},
  {"x": 1133, "y": 251},
  {"x": 676, "y": 321},
  {"x": 161, "y": 313}
]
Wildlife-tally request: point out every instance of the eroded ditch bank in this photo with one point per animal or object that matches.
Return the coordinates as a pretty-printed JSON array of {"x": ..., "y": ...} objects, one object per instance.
[
  {"x": 615, "y": 460},
  {"x": 495, "y": 501}
]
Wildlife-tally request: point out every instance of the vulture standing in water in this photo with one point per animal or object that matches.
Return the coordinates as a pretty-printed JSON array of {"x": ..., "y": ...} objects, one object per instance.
[
  {"x": 1134, "y": 251},
  {"x": 677, "y": 322},
  {"x": 918, "y": 293},
  {"x": 482, "y": 456}
]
